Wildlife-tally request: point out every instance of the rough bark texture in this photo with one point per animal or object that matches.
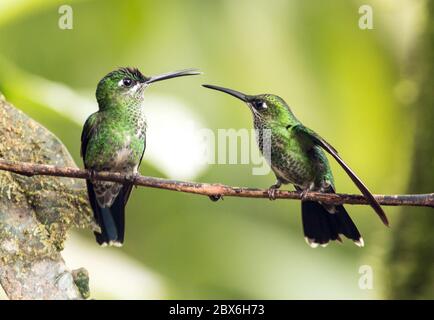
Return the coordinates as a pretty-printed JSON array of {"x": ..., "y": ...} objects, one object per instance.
[
  {"x": 411, "y": 259},
  {"x": 213, "y": 190},
  {"x": 36, "y": 212}
]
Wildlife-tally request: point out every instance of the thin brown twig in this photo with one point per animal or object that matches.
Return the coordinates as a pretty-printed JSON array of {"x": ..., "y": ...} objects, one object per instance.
[{"x": 213, "y": 189}]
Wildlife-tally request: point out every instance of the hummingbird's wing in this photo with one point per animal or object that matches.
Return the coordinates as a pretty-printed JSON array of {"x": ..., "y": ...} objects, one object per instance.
[
  {"x": 143, "y": 152},
  {"x": 88, "y": 130},
  {"x": 310, "y": 137},
  {"x": 110, "y": 219}
]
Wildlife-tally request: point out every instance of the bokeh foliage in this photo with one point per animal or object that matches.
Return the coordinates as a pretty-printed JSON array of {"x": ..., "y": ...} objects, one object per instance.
[{"x": 338, "y": 79}]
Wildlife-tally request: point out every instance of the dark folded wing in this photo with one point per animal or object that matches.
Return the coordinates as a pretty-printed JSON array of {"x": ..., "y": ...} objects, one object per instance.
[
  {"x": 88, "y": 130},
  {"x": 308, "y": 134}
]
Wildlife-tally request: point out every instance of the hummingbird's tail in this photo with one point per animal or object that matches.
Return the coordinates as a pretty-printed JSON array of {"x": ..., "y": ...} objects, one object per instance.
[
  {"x": 111, "y": 219},
  {"x": 320, "y": 226},
  {"x": 112, "y": 224}
]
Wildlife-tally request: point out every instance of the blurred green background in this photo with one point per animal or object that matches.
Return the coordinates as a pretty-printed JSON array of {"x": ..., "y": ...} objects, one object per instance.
[{"x": 358, "y": 88}]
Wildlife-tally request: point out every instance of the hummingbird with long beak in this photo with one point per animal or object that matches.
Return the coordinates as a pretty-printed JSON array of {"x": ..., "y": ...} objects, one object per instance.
[
  {"x": 114, "y": 139},
  {"x": 297, "y": 157}
]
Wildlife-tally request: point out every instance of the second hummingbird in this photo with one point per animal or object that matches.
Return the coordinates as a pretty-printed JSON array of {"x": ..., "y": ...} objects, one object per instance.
[{"x": 297, "y": 157}]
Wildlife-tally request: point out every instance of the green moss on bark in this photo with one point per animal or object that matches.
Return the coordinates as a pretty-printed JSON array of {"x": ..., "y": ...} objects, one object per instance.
[{"x": 35, "y": 212}]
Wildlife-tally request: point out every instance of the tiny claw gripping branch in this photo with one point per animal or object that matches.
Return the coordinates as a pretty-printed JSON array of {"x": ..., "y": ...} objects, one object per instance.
[
  {"x": 216, "y": 197},
  {"x": 131, "y": 178}
]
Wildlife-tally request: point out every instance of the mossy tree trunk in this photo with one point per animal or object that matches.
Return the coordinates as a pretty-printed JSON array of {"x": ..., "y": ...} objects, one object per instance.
[{"x": 36, "y": 212}]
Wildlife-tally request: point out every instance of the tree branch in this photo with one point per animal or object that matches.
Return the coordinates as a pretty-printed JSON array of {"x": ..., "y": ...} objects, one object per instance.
[{"x": 215, "y": 189}]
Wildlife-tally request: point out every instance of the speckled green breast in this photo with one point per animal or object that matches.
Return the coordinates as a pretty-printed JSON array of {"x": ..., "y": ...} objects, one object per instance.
[
  {"x": 290, "y": 162},
  {"x": 118, "y": 143}
]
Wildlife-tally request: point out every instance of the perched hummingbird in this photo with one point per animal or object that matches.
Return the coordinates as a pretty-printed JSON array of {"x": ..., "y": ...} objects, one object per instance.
[
  {"x": 114, "y": 139},
  {"x": 297, "y": 157}
]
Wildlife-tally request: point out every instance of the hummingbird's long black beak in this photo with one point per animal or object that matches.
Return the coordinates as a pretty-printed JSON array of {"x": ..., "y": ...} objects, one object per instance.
[
  {"x": 175, "y": 74},
  {"x": 236, "y": 94}
]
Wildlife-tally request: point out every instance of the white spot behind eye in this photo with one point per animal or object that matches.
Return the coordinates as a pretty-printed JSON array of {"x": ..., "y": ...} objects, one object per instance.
[
  {"x": 264, "y": 105},
  {"x": 135, "y": 87},
  {"x": 131, "y": 89}
]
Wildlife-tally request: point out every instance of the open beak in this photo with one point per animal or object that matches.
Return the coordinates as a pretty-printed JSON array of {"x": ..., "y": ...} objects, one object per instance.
[
  {"x": 175, "y": 74},
  {"x": 236, "y": 94}
]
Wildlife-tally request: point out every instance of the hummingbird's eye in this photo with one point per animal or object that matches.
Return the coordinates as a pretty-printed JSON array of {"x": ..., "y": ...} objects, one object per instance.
[
  {"x": 127, "y": 82},
  {"x": 260, "y": 105}
]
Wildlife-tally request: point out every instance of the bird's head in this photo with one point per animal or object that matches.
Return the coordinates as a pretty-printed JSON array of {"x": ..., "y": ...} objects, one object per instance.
[
  {"x": 126, "y": 85},
  {"x": 265, "y": 107}
]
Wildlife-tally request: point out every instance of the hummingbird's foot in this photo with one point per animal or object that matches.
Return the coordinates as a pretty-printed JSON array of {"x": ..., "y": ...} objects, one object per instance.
[
  {"x": 92, "y": 174},
  {"x": 131, "y": 178},
  {"x": 216, "y": 197},
  {"x": 303, "y": 194},
  {"x": 272, "y": 190}
]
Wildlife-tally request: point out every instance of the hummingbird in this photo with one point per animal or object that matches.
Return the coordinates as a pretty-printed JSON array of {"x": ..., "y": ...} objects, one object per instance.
[
  {"x": 297, "y": 157},
  {"x": 114, "y": 139}
]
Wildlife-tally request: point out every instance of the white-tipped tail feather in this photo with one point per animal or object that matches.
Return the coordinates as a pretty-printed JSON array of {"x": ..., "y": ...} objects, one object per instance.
[
  {"x": 311, "y": 242},
  {"x": 111, "y": 244},
  {"x": 360, "y": 243}
]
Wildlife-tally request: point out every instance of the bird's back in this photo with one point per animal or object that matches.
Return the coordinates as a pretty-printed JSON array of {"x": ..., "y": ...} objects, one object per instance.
[{"x": 291, "y": 160}]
